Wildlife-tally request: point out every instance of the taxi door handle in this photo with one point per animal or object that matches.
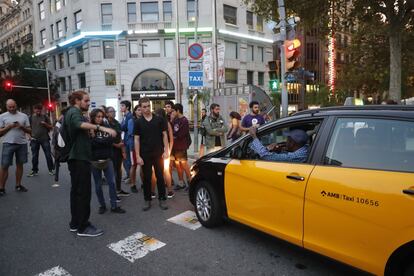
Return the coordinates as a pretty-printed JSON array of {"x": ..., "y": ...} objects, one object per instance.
[
  {"x": 408, "y": 191},
  {"x": 297, "y": 177}
]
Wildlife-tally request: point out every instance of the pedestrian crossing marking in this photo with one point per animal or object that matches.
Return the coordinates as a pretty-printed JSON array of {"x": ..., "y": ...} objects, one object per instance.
[
  {"x": 136, "y": 246},
  {"x": 54, "y": 271},
  {"x": 188, "y": 219}
]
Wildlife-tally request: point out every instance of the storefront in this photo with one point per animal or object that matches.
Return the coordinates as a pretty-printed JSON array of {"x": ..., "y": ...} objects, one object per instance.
[{"x": 155, "y": 85}]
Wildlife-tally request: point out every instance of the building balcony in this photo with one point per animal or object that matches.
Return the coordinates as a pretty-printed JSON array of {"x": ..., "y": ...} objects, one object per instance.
[
  {"x": 27, "y": 38},
  {"x": 149, "y": 26}
]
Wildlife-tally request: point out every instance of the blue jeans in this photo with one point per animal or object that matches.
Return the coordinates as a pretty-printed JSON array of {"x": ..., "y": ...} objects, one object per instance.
[
  {"x": 110, "y": 179},
  {"x": 35, "y": 146},
  {"x": 127, "y": 161}
]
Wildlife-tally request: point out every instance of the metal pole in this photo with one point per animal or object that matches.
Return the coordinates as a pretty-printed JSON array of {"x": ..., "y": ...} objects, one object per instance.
[
  {"x": 196, "y": 91},
  {"x": 215, "y": 55},
  {"x": 282, "y": 15},
  {"x": 48, "y": 94},
  {"x": 178, "y": 65}
]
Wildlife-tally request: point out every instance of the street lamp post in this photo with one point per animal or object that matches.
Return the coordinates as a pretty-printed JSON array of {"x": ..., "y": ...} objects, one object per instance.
[{"x": 48, "y": 85}]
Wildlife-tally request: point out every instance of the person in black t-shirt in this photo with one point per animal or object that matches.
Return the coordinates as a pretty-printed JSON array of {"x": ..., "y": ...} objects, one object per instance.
[{"x": 151, "y": 147}]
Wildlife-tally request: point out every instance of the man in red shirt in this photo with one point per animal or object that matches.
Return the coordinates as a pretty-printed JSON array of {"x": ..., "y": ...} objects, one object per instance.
[{"x": 181, "y": 143}]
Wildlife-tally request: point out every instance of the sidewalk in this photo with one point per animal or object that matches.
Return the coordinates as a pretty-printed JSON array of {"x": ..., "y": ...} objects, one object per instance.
[{"x": 190, "y": 152}]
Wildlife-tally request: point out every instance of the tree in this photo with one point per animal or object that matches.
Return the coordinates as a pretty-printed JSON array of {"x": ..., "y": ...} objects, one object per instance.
[
  {"x": 396, "y": 15},
  {"x": 21, "y": 77}
]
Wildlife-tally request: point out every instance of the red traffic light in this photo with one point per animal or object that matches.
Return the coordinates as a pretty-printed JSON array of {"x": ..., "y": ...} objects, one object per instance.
[
  {"x": 8, "y": 86},
  {"x": 50, "y": 106}
]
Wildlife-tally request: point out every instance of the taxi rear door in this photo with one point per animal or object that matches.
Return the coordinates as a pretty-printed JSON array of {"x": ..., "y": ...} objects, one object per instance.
[{"x": 358, "y": 200}]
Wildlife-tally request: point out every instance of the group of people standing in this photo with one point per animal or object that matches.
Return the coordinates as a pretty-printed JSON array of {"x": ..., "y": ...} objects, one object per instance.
[{"x": 214, "y": 131}]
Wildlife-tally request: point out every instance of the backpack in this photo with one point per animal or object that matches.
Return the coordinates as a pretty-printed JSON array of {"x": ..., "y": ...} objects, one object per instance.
[{"x": 63, "y": 143}]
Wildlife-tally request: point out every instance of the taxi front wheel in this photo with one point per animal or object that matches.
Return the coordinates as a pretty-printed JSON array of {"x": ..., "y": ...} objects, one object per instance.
[{"x": 208, "y": 207}]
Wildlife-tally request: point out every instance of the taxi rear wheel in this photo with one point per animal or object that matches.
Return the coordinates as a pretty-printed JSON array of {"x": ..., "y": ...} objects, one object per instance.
[{"x": 207, "y": 204}]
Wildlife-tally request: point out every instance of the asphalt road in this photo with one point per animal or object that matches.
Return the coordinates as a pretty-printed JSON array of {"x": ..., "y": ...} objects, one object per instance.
[{"x": 34, "y": 237}]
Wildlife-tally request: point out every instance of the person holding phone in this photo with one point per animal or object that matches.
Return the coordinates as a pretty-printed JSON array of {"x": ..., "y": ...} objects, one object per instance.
[
  {"x": 40, "y": 125},
  {"x": 14, "y": 126}
]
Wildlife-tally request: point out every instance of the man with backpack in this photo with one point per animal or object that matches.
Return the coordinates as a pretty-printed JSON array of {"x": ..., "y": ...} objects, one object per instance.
[
  {"x": 76, "y": 135},
  {"x": 40, "y": 125},
  {"x": 182, "y": 141}
]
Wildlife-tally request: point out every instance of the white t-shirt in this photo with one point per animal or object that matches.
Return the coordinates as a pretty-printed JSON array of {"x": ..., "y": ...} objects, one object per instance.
[{"x": 14, "y": 135}]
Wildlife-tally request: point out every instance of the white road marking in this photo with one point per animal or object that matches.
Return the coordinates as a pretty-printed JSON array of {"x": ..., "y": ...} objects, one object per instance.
[
  {"x": 54, "y": 271},
  {"x": 136, "y": 246},
  {"x": 188, "y": 219}
]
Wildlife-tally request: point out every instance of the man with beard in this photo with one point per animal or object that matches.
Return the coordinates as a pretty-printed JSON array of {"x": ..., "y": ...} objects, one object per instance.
[
  {"x": 79, "y": 164},
  {"x": 215, "y": 128},
  {"x": 254, "y": 119}
]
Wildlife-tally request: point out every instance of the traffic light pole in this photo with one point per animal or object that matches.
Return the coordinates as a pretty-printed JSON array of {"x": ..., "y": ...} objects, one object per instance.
[{"x": 282, "y": 18}]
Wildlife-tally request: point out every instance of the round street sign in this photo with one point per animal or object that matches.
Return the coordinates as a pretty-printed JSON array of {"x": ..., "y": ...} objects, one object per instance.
[{"x": 195, "y": 51}]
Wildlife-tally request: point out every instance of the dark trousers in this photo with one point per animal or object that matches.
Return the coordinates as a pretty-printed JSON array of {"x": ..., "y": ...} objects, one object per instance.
[
  {"x": 35, "y": 147},
  {"x": 57, "y": 166},
  {"x": 127, "y": 161},
  {"x": 158, "y": 163},
  {"x": 80, "y": 193},
  {"x": 117, "y": 160}
]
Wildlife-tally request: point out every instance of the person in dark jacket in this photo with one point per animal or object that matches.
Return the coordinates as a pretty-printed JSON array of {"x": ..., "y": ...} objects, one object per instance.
[
  {"x": 102, "y": 155},
  {"x": 55, "y": 148},
  {"x": 181, "y": 131}
]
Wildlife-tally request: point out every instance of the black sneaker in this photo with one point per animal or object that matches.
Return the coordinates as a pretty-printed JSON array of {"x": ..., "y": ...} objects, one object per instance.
[
  {"x": 170, "y": 194},
  {"x": 118, "y": 199},
  {"x": 2, "y": 192},
  {"x": 147, "y": 206},
  {"x": 90, "y": 231},
  {"x": 32, "y": 173},
  {"x": 21, "y": 188},
  {"x": 134, "y": 189},
  {"x": 73, "y": 228},
  {"x": 163, "y": 205},
  {"x": 153, "y": 195},
  {"x": 101, "y": 210},
  {"x": 178, "y": 187},
  {"x": 118, "y": 210},
  {"x": 123, "y": 193}
]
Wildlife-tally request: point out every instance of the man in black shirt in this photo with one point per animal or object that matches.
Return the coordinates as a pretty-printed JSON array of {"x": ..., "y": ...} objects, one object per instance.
[{"x": 151, "y": 147}]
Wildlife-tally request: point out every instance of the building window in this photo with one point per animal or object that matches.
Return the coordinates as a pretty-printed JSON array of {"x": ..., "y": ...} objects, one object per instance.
[
  {"x": 79, "y": 54},
  {"x": 70, "y": 83},
  {"x": 133, "y": 49},
  {"x": 250, "y": 53},
  {"x": 61, "y": 61},
  {"x": 59, "y": 29},
  {"x": 168, "y": 48},
  {"x": 82, "y": 80},
  {"x": 261, "y": 54},
  {"x": 231, "y": 76},
  {"x": 65, "y": 25},
  {"x": 41, "y": 10},
  {"x": 43, "y": 37},
  {"x": 78, "y": 20},
  {"x": 67, "y": 58},
  {"x": 191, "y": 10},
  {"x": 230, "y": 14},
  {"x": 259, "y": 24},
  {"x": 109, "y": 49},
  {"x": 167, "y": 10},
  {"x": 152, "y": 80},
  {"x": 54, "y": 62},
  {"x": 151, "y": 47},
  {"x": 62, "y": 84},
  {"x": 110, "y": 77},
  {"x": 52, "y": 32},
  {"x": 260, "y": 78},
  {"x": 106, "y": 10},
  {"x": 250, "y": 77},
  {"x": 132, "y": 12},
  {"x": 58, "y": 5},
  {"x": 249, "y": 20},
  {"x": 51, "y": 4},
  {"x": 149, "y": 12},
  {"x": 230, "y": 50}
]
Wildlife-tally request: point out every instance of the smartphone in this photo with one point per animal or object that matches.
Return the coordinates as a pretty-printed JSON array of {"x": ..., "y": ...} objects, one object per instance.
[{"x": 15, "y": 122}]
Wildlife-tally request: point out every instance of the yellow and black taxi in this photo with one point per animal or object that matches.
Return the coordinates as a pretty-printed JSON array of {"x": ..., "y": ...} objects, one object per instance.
[{"x": 352, "y": 199}]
